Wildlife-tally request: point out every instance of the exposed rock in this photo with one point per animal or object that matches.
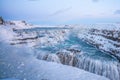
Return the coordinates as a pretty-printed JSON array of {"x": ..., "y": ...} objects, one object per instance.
[
  {"x": 1, "y": 21},
  {"x": 64, "y": 57},
  {"x": 74, "y": 50},
  {"x": 69, "y": 57},
  {"x": 49, "y": 57}
]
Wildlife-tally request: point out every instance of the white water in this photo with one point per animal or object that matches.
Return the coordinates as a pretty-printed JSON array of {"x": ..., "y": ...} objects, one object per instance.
[{"x": 105, "y": 68}]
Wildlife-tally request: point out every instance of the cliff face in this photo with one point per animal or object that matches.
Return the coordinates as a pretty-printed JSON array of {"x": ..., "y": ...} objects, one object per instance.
[{"x": 1, "y": 21}]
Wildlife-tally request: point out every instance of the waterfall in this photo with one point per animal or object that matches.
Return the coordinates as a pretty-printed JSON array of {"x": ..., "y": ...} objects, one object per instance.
[
  {"x": 109, "y": 69},
  {"x": 48, "y": 57}
]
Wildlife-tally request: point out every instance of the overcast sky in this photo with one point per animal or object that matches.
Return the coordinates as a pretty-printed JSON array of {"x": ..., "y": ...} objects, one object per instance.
[{"x": 61, "y": 11}]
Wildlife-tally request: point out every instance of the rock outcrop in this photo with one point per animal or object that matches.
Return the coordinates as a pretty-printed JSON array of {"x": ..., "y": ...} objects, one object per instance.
[
  {"x": 69, "y": 57},
  {"x": 49, "y": 57},
  {"x": 1, "y": 21}
]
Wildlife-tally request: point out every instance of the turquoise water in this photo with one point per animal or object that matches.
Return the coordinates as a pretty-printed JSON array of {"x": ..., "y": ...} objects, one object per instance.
[
  {"x": 73, "y": 40},
  {"x": 89, "y": 50}
]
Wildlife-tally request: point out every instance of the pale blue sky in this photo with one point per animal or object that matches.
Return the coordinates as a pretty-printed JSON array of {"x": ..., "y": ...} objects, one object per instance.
[{"x": 61, "y": 11}]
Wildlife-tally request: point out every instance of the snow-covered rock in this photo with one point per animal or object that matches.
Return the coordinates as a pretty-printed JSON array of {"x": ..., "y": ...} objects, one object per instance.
[
  {"x": 18, "y": 24},
  {"x": 106, "y": 37},
  {"x": 33, "y": 35},
  {"x": 40, "y": 36}
]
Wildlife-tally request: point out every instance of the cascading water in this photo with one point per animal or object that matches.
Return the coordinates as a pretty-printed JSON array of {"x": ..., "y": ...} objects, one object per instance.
[
  {"x": 95, "y": 61},
  {"x": 91, "y": 59},
  {"x": 101, "y": 67}
]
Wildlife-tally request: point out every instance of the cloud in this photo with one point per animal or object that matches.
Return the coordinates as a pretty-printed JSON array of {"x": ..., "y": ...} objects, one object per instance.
[
  {"x": 95, "y": 0},
  {"x": 117, "y": 12},
  {"x": 60, "y": 11}
]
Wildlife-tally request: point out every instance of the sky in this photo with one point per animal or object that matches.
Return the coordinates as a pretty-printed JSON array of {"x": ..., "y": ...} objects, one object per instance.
[{"x": 61, "y": 11}]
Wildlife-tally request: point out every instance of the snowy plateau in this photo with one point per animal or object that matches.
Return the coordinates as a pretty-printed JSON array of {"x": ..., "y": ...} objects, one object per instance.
[{"x": 63, "y": 52}]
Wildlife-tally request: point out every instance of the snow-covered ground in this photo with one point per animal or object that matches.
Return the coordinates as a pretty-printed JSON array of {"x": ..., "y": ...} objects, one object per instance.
[{"x": 19, "y": 63}]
